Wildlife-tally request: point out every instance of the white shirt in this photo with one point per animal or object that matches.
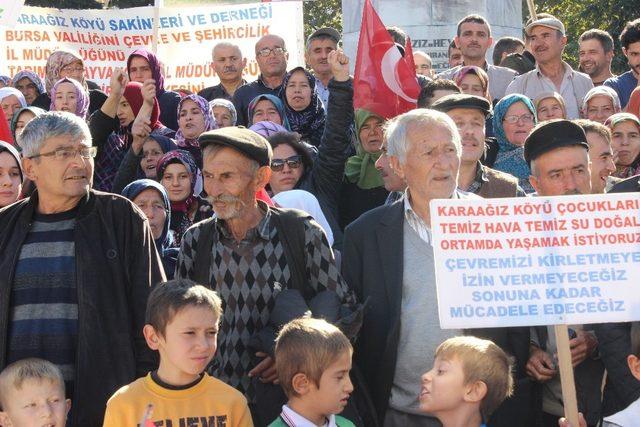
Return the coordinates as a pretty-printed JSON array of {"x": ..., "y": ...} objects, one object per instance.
[
  {"x": 415, "y": 222},
  {"x": 628, "y": 417},
  {"x": 573, "y": 88},
  {"x": 293, "y": 419}
]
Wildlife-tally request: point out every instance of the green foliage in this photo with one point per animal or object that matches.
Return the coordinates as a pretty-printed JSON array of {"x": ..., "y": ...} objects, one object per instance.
[
  {"x": 579, "y": 16},
  {"x": 322, "y": 13}
]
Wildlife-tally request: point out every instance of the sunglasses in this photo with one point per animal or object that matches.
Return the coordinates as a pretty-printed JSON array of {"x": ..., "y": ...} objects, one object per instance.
[{"x": 294, "y": 162}]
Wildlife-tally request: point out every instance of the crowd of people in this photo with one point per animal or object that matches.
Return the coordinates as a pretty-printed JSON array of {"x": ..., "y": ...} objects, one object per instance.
[{"x": 155, "y": 273}]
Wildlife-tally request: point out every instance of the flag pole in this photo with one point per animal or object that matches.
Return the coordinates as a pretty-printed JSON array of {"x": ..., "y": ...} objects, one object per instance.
[
  {"x": 532, "y": 9},
  {"x": 156, "y": 24}
]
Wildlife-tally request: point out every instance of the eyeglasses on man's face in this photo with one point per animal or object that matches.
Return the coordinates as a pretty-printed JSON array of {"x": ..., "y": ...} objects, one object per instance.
[
  {"x": 68, "y": 153},
  {"x": 276, "y": 50}
]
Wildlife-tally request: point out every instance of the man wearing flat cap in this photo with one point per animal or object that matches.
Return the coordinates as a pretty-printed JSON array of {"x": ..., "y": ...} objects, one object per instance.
[
  {"x": 319, "y": 44},
  {"x": 248, "y": 253},
  {"x": 557, "y": 152},
  {"x": 547, "y": 39},
  {"x": 469, "y": 113}
]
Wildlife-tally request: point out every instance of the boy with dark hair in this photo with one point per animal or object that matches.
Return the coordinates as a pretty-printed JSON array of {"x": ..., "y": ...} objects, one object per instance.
[
  {"x": 626, "y": 82},
  {"x": 506, "y": 46},
  {"x": 313, "y": 359},
  {"x": 182, "y": 324},
  {"x": 32, "y": 393},
  {"x": 470, "y": 378},
  {"x": 435, "y": 90}
]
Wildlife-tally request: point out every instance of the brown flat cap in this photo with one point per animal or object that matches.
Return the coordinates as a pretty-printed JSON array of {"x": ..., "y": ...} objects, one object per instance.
[{"x": 241, "y": 139}]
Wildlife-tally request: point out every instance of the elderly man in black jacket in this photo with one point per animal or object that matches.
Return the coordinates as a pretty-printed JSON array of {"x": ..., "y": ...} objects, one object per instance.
[
  {"x": 77, "y": 266},
  {"x": 388, "y": 262}
]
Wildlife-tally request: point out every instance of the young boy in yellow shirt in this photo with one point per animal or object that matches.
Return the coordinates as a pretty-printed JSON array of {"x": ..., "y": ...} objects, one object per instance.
[
  {"x": 182, "y": 325},
  {"x": 470, "y": 378},
  {"x": 32, "y": 393},
  {"x": 313, "y": 359}
]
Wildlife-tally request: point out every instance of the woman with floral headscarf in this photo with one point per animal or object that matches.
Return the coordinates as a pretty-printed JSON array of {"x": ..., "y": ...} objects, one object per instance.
[
  {"x": 112, "y": 127},
  {"x": 513, "y": 119},
  {"x": 363, "y": 187},
  {"x": 68, "y": 95},
  {"x": 549, "y": 106},
  {"x": 269, "y": 108},
  {"x": 223, "y": 112},
  {"x": 30, "y": 84},
  {"x": 473, "y": 80},
  {"x": 177, "y": 172},
  {"x": 66, "y": 63},
  {"x": 5, "y": 81},
  {"x": 194, "y": 118},
  {"x": 303, "y": 107},
  {"x": 143, "y": 65}
]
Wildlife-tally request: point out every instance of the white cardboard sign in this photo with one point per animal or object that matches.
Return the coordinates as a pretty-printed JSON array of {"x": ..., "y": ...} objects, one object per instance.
[{"x": 537, "y": 261}]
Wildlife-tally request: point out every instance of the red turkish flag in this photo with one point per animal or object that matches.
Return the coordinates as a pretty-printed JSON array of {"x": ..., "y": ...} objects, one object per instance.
[
  {"x": 384, "y": 82},
  {"x": 5, "y": 131}
]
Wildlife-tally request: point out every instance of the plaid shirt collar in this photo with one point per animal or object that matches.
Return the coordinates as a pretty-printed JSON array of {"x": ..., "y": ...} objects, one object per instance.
[{"x": 262, "y": 230}]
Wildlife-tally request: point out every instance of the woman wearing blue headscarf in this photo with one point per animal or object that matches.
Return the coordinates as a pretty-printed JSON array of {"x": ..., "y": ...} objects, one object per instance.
[
  {"x": 513, "y": 119},
  {"x": 267, "y": 108},
  {"x": 152, "y": 198}
]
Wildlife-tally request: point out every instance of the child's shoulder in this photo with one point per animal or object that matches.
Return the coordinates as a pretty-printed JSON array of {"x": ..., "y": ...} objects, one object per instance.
[
  {"x": 277, "y": 423},
  {"x": 343, "y": 422},
  {"x": 126, "y": 391},
  {"x": 219, "y": 387}
]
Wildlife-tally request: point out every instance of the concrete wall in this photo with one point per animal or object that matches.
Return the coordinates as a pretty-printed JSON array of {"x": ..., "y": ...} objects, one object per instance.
[{"x": 431, "y": 24}]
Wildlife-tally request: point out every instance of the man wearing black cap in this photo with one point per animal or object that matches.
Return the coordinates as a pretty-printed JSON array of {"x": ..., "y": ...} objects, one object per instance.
[
  {"x": 469, "y": 113},
  {"x": 248, "y": 252},
  {"x": 557, "y": 152},
  {"x": 319, "y": 44}
]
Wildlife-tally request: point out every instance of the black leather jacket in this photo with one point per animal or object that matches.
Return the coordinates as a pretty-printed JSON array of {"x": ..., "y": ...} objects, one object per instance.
[{"x": 116, "y": 266}]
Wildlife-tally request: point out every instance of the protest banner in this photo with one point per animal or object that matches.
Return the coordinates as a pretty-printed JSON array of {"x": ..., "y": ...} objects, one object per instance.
[
  {"x": 9, "y": 11},
  {"x": 538, "y": 261},
  {"x": 185, "y": 37}
]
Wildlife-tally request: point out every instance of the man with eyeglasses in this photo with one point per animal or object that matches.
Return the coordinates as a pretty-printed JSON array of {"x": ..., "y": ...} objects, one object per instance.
[
  {"x": 77, "y": 266},
  {"x": 271, "y": 56},
  {"x": 547, "y": 39}
]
